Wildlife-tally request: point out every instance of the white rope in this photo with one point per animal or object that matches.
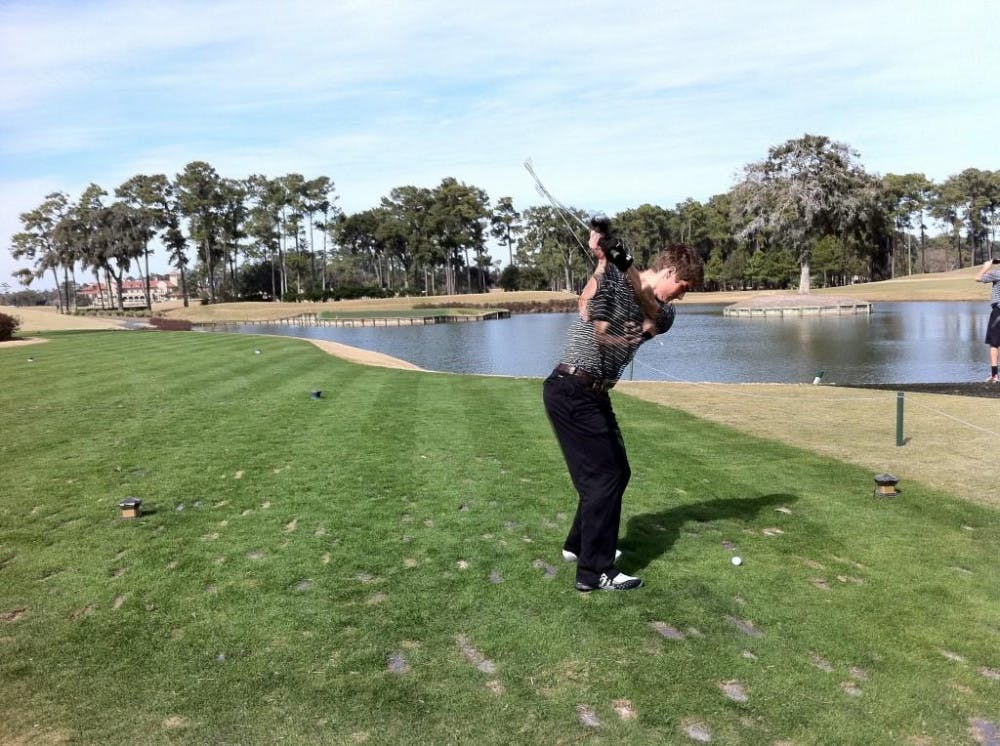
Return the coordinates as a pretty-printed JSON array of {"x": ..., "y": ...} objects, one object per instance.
[
  {"x": 748, "y": 395},
  {"x": 956, "y": 419}
]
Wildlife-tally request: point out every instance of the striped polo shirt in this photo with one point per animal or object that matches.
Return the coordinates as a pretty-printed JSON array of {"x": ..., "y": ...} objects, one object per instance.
[
  {"x": 614, "y": 302},
  {"x": 994, "y": 277}
]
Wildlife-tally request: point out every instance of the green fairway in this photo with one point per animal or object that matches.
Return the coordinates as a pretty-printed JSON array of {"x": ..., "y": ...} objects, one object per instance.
[{"x": 382, "y": 565}]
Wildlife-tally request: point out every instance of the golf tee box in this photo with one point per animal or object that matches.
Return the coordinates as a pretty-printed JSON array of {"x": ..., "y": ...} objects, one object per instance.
[
  {"x": 885, "y": 485},
  {"x": 130, "y": 507}
]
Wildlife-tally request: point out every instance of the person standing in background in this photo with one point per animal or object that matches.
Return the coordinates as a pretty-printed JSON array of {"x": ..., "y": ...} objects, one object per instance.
[{"x": 990, "y": 272}]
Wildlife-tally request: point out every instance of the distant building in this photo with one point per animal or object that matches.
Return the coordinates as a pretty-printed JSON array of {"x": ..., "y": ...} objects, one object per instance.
[{"x": 161, "y": 288}]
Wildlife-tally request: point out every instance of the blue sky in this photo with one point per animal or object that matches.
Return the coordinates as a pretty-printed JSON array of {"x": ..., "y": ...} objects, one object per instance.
[{"x": 618, "y": 104}]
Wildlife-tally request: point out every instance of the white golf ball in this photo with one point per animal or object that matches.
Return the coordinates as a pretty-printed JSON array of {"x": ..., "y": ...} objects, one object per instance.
[{"x": 736, "y": 561}]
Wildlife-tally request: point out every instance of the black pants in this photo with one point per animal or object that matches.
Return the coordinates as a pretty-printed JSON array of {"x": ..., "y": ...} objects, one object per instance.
[
  {"x": 993, "y": 327},
  {"x": 592, "y": 445}
]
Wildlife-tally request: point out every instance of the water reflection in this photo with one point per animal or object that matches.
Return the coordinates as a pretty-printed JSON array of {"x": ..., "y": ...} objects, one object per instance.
[{"x": 898, "y": 343}]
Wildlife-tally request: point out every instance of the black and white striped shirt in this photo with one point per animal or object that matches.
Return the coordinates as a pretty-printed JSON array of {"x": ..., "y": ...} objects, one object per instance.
[
  {"x": 605, "y": 355},
  {"x": 994, "y": 277}
]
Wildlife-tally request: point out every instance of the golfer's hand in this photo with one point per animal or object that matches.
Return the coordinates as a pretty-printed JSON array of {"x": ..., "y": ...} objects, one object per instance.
[
  {"x": 634, "y": 333},
  {"x": 618, "y": 255},
  {"x": 649, "y": 329}
]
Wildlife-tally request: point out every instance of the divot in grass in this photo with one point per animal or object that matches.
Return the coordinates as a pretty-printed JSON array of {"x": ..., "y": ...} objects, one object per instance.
[
  {"x": 745, "y": 626},
  {"x": 548, "y": 571},
  {"x": 665, "y": 630},
  {"x": 303, "y": 585},
  {"x": 495, "y": 687},
  {"x": 733, "y": 690},
  {"x": 848, "y": 579},
  {"x": 376, "y": 598},
  {"x": 696, "y": 730},
  {"x": 820, "y": 583},
  {"x": 952, "y": 656},
  {"x": 81, "y": 613},
  {"x": 587, "y": 716},
  {"x": 119, "y": 600},
  {"x": 851, "y": 688},
  {"x": 984, "y": 732},
  {"x": 14, "y": 615},
  {"x": 990, "y": 673},
  {"x": 474, "y": 656},
  {"x": 397, "y": 664},
  {"x": 495, "y": 577},
  {"x": 291, "y": 525},
  {"x": 821, "y": 663},
  {"x": 175, "y": 722},
  {"x": 625, "y": 709}
]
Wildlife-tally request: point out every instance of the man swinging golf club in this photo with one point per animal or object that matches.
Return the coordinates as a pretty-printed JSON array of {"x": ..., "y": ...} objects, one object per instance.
[{"x": 620, "y": 308}]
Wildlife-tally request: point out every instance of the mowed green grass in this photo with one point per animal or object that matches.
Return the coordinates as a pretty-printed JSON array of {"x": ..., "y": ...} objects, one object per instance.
[{"x": 382, "y": 565}]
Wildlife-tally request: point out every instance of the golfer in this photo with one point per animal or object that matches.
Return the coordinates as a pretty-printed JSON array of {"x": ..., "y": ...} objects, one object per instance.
[
  {"x": 990, "y": 272},
  {"x": 601, "y": 341}
]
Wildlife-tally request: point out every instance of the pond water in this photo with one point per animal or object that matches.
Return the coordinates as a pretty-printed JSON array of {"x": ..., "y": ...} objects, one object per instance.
[{"x": 898, "y": 343}]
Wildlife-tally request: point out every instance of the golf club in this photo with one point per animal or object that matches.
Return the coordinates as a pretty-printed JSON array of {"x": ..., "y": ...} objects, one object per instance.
[{"x": 563, "y": 211}]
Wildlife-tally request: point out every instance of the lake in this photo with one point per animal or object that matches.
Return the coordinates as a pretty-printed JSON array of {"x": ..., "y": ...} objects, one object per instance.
[{"x": 926, "y": 342}]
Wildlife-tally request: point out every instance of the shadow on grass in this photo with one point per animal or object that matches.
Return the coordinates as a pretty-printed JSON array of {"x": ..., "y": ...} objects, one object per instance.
[{"x": 650, "y": 535}]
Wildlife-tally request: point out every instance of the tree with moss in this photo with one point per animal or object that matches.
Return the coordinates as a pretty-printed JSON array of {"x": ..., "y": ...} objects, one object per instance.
[{"x": 804, "y": 190}]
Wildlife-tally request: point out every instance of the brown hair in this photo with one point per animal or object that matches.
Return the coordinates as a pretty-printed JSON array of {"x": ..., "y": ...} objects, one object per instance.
[{"x": 685, "y": 261}]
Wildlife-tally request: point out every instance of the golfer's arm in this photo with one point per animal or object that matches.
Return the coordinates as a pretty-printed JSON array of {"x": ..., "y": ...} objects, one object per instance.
[
  {"x": 650, "y": 308},
  {"x": 589, "y": 290},
  {"x": 605, "y": 338}
]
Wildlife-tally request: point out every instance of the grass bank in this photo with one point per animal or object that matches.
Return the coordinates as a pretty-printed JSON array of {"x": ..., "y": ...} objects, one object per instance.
[{"x": 381, "y": 565}]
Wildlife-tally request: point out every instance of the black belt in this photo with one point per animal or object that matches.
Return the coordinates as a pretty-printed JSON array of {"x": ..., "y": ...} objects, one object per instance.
[{"x": 597, "y": 384}]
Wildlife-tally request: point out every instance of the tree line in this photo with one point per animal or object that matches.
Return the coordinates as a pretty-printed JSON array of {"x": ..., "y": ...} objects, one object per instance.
[{"x": 806, "y": 213}]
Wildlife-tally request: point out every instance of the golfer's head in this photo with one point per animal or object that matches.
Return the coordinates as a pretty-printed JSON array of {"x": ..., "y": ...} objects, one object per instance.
[{"x": 688, "y": 267}]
